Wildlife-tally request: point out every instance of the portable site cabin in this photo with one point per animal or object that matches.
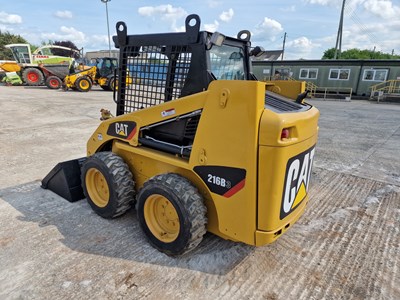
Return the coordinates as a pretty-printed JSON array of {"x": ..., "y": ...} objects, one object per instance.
[{"x": 359, "y": 75}]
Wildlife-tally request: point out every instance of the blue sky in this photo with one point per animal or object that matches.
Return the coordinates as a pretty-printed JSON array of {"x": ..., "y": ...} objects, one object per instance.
[{"x": 311, "y": 25}]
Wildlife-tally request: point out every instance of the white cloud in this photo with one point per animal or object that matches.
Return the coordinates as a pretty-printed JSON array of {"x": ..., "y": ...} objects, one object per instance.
[
  {"x": 67, "y": 33},
  {"x": 179, "y": 28},
  {"x": 270, "y": 24},
  {"x": 301, "y": 47},
  {"x": 63, "y": 14},
  {"x": 211, "y": 27},
  {"x": 325, "y": 2},
  {"x": 6, "y": 18},
  {"x": 226, "y": 16},
  {"x": 166, "y": 13},
  {"x": 96, "y": 42},
  {"x": 213, "y": 3},
  {"x": 327, "y": 40},
  {"x": 268, "y": 29},
  {"x": 302, "y": 42},
  {"x": 80, "y": 39},
  {"x": 383, "y": 36},
  {"x": 382, "y": 8},
  {"x": 98, "y": 39}
]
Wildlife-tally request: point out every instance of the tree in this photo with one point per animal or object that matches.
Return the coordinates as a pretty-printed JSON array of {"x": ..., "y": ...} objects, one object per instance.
[
  {"x": 359, "y": 54},
  {"x": 62, "y": 52},
  {"x": 8, "y": 38},
  {"x": 329, "y": 54}
]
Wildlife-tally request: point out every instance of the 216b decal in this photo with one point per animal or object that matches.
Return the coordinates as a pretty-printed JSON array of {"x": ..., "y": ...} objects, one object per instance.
[
  {"x": 297, "y": 179},
  {"x": 221, "y": 180}
]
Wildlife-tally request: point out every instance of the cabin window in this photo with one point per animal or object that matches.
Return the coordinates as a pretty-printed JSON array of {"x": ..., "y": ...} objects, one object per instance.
[
  {"x": 308, "y": 73},
  {"x": 339, "y": 74},
  {"x": 375, "y": 75},
  {"x": 282, "y": 74}
]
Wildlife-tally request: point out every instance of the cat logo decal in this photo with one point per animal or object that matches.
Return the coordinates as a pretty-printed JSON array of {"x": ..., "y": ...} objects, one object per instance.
[{"x": 297, "y": 179}]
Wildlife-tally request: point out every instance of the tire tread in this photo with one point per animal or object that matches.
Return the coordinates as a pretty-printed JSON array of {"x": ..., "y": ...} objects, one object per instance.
[
  {"x": 191, "y": 200},
  {"x": 123, "y": 183}
]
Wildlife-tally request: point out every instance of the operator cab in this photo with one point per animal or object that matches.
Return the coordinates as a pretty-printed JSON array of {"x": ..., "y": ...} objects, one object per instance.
[
  {"x": 169, "y": 66},
  {"x": 21, "y": 53},
  {"x": 106, "y": 66},
  {"x": 227, "y": 58}
]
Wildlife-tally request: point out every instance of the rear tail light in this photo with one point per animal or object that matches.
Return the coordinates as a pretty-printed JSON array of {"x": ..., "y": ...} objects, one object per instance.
[{"x": 285, "y": 133}]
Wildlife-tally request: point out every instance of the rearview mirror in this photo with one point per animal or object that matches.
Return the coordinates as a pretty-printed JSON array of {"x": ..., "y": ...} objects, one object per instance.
[{"x": 257, "y": 51}]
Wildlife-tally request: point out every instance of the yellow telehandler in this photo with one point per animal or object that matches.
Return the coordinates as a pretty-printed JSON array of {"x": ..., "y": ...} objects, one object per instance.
[
  {"x": 197, "y": 144},
  {"x": 103, "y": 74},
  {"x": 81, "y": 80}
]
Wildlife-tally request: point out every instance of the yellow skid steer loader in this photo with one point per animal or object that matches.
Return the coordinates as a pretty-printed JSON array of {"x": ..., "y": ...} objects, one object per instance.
[{"x": 197, "y": 144}]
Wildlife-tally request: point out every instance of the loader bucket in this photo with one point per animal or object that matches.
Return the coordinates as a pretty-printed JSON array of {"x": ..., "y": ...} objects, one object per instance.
[{"x": 65, "y": 180}]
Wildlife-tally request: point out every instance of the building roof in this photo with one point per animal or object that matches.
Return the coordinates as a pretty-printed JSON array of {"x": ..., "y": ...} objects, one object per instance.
[{"x": 268, "y": 55}]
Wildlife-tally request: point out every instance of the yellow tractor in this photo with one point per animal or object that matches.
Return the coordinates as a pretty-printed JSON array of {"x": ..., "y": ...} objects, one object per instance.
[
  {"x": 197, "y": 144},
  {"x": 81, "y": 80}
]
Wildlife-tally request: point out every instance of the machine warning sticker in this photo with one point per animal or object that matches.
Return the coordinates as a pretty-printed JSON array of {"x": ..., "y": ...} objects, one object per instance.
[
  {"x": 124, "y": 129},
  {"x": 224, "y": 181},
  {"x": 297, "y": 179}
]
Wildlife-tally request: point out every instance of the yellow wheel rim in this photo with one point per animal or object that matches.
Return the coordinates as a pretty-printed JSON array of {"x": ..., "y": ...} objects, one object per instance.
[
  {"x": 97, "y": 187},
  {"x": 161, "y": 218},
  {"x": 84, "y": 84}
]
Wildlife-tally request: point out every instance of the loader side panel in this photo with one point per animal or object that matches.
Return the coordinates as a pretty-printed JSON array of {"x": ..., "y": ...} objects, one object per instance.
[
  {"x": 224, "y": 155},
  {"x": 284, "y": 169},
  {"x": 223, "y": 159}
]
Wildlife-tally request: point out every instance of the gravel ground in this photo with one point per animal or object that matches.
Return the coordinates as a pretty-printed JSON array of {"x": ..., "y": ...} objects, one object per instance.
[{"x": 345, "y": 246}]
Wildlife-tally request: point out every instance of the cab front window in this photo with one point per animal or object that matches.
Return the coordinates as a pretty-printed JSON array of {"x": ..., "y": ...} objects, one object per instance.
[{"x": 227, "y": 62}]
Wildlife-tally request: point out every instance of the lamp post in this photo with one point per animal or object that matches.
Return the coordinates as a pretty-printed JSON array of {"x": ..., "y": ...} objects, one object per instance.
[{"x": 108, "y": 27}]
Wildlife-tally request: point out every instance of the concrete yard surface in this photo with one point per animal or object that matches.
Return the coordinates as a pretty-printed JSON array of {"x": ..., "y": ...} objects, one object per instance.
[{"x": 345, "y": 246}]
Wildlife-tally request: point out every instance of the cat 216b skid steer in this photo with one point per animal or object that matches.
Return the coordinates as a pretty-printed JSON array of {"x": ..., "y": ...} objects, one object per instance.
[{"x": 197, "y": 144}]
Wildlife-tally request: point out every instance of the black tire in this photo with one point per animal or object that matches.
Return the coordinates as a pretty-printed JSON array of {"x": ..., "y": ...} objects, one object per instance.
[
  {"x": 53, "y": 82},
  {"x": 32, "y": 76},
  {"x": 107, "y": 184},
  {"x": 64, "y": 87},
  {"x": 83, "y": 84},
  {"x": 171, "y": 213},
  {"x": 111, "y": 84}
]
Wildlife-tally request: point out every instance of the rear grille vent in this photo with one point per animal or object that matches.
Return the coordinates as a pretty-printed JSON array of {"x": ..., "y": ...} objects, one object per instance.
[{"x": 282, "y": 104}]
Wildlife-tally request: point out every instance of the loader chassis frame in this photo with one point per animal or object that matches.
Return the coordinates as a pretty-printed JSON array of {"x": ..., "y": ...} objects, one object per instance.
[{"x": 207, "y": 146}]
